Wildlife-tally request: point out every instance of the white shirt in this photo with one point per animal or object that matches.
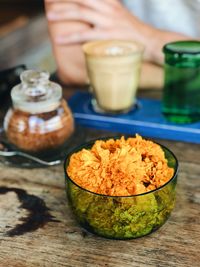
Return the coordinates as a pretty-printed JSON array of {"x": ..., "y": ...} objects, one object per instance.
[{"x": 181, "y": 16}]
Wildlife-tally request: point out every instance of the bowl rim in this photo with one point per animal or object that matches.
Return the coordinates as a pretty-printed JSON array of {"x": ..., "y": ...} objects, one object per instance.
[{"x": 91, "y": 142}]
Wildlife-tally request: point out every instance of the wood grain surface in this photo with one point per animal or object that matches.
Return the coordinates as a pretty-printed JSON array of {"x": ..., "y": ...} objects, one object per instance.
[
  {"x": 37, "y": 228},
  {"x": 57, "y": 240}
]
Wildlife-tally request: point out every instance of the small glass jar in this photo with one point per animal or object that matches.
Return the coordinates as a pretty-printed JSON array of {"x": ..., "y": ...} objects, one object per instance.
[
  {"x": 39, "y": 119},
  {"x": 181, "y": 94}
]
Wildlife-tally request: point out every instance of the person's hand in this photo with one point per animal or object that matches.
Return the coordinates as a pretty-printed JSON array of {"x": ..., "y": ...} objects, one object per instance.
[
  {"x": 109, "y": 19},
  {"x": 69, "y": 58},
  {"x": 73, "y": 22}
]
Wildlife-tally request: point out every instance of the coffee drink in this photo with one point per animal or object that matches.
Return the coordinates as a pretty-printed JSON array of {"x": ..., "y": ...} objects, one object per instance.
[{"x": 114, "y": 70}]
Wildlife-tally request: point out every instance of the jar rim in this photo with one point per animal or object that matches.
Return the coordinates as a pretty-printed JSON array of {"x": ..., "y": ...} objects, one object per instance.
[{"x": 185, "y": 47}]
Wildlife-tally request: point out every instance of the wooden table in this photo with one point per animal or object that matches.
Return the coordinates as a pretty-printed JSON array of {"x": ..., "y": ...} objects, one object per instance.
[{"x": 38, "y": 229}]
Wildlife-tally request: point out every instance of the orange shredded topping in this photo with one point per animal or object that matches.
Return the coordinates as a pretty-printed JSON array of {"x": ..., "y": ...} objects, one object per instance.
[{"x": 121, "y": 167}]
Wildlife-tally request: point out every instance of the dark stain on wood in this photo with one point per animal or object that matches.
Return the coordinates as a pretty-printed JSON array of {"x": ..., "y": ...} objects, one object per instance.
[{"x": 38, "y": 212}]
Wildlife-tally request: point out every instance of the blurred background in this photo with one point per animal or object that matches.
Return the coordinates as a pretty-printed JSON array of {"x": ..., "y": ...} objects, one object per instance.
[
  {"x": 24, "y": 35},
  {"x": 24, "y": 40}
]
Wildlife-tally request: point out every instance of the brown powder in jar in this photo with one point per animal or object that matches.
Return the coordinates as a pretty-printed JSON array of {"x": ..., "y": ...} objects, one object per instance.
[
  {"x": 120, "y": 167},
  {"x": 1, "y": 147},
  {"x": 40, "y": 132}
]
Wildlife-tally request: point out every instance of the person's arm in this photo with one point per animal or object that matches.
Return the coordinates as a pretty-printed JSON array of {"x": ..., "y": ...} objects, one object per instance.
[
  {"x": 109, "y": 20},
  {"x": 69, "y": 58}
]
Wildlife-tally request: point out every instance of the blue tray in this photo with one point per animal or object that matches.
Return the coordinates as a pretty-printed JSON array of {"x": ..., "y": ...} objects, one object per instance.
[{"x": 146, "y": 120}]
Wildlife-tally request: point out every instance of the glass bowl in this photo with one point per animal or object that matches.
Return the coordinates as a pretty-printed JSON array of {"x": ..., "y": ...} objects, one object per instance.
[{"x": 122, "y": 217}]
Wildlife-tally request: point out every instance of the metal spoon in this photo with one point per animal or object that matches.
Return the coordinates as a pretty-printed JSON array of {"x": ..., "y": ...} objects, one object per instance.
[{"x": 25, "y": 155}]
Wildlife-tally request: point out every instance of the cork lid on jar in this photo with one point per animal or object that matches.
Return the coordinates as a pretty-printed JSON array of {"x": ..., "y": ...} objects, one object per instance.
[{"x": 36, "y": 93}]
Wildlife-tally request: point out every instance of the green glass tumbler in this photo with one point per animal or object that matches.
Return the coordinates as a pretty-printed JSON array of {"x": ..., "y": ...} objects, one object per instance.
[
  {"x": 122, "y": 217},
  {"x": 181, "y": 94}
]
